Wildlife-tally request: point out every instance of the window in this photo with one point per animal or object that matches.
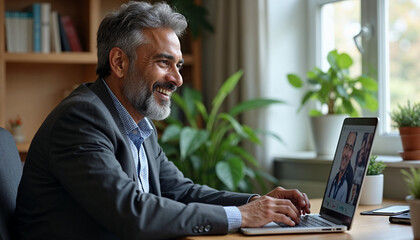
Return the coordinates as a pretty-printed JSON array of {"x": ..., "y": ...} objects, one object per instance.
[
  {"x": 391, "y": 46},
  {"x": 340, "y": 23}
]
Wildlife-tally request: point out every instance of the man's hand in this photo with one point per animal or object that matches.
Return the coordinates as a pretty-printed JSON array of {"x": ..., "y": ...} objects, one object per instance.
[{"x": 279, "y": 205}]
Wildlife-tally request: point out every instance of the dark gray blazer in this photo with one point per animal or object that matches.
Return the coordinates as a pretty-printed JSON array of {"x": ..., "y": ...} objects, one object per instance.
[{"x": 79, "y": 181}]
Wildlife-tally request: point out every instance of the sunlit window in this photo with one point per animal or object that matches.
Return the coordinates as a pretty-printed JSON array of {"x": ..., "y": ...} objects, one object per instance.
[
  {"x": 404, "y": 51},
  {"x": 340, "y": 23}
]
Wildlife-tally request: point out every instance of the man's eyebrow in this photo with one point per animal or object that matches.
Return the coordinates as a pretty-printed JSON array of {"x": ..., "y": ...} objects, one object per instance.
[{"x": 167, "y": 56}]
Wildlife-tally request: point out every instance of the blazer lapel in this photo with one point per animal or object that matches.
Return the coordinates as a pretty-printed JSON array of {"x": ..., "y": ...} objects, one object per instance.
[{"x": 127, "y": 163}]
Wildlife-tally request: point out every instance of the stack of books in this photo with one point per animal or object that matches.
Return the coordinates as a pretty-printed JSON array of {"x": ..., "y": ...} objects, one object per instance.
[{"x": 40, "y": 30}]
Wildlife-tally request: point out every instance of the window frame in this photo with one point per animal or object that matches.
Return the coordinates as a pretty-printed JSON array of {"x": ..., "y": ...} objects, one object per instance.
[{"x": 374, "y": 14}]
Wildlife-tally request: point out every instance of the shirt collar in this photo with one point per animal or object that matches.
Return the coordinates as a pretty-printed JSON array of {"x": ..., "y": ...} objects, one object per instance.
[{"x": 143, "y": 127}]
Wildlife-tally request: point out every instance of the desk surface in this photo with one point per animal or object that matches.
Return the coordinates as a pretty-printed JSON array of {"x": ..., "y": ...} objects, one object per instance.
[{"x": 363, "y": 227}]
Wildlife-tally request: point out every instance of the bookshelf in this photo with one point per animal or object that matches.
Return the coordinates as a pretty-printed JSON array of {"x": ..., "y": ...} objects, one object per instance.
[{"x": 32, "y": 84}]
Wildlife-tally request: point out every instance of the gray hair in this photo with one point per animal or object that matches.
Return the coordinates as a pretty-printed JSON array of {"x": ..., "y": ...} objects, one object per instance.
[{"x": 123, "y": 28}]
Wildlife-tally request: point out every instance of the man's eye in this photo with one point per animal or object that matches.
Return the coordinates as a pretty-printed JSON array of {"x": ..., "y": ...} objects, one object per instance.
[
  {"x": 163, "y": 62},
  {"x": 179, "y": 66}
]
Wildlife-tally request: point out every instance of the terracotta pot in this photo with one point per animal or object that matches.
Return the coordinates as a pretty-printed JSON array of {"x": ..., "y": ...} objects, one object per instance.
[
  {"x": 410, "y": 139},
  {"x": 410, "y": 142},
  {"x": 409, "y": 130},
  {"x": 410, "y": 155}
]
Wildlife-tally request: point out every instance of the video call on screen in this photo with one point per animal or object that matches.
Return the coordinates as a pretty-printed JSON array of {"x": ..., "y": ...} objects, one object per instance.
[{"x": 351, "y": 160}]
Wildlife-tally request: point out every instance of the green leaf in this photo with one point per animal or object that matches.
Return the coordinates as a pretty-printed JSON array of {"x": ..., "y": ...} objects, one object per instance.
[
  {"x": 344, "y": 61},
  {"x": 314, "y": 74},
  {"x": 243, "y": 153},
  {"x": 183, "y": 105},
  {"x": 196, "y": 162},
  {"x": 294, "y": 80},
  {"x": 226, "y": 88},
  {"x": 252, "y": 135},
  {"x": 307, "y": 96},
  {"x": 235, "y": 124},
  {"x": 332, "y": 59},
  {"x": 359, "y": 96},
  {"x": 342, "y": 91},
  {"x": 350, "y": 108},
  {"x": 178, "y": 100},
  {"x": 368, "y": 83},
  {"x": 230, "y": 172},
  {"x": 371, "y": 103},
  {"x": 202, "y": 110},
  {"x": 190, "y": 140},
  {"x": 171, "y": 132},
  {"x": 314, "y": 113},
  {"x": 191, "y": 96},
  {"x": 252, "y": 104}
]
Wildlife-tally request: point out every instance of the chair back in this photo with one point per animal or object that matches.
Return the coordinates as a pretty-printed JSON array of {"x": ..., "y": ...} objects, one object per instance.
[{"x": 10, "y": 174}]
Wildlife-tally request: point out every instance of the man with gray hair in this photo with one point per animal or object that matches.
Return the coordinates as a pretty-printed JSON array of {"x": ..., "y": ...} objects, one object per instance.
[{"x": 95, "y": 169}]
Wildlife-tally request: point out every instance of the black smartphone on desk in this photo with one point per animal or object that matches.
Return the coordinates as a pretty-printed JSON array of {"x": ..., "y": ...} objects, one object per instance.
[{"x": 403, "y": 218}]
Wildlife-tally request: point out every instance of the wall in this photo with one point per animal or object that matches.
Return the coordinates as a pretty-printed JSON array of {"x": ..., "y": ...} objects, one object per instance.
[{"x": 288, "y": 53}]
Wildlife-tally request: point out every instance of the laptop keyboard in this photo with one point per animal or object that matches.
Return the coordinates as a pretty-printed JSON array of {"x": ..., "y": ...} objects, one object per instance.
[{"x": 307, "y": 221}]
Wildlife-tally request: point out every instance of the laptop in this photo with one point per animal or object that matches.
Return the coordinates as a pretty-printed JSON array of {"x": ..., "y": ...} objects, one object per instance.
[{"x": 342, "y": 191}]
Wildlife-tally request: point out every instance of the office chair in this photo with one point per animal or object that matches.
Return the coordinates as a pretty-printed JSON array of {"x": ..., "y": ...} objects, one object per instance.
[{"x": 10, "y": 174}]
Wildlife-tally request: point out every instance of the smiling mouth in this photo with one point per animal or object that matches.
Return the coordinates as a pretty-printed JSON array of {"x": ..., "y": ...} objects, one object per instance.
[{"x": 164, "y": 92}]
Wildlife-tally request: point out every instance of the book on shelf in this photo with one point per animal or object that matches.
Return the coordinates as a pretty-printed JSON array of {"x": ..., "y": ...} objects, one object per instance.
[
  {"x": 55, "y": 33},
  {"x": 11, "y": 28},
  {"x": 71, "y": 34},
  {"x": 65, "y": 45},
  {"x": 18, "y": 31},
  {"x": 45, "y": 27},
  {"x": 39, "y": 29},
  {"x": 36, "y": 13}
]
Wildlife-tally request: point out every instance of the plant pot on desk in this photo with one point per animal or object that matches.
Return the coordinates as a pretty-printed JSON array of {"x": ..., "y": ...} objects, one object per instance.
[
  {"x": 326, "y": 131},
  {"x": 372, "y": 190}
]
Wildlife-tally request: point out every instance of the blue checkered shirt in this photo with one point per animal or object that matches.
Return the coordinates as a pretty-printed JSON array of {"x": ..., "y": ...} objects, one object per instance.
[{"x": 137, "y": 133}]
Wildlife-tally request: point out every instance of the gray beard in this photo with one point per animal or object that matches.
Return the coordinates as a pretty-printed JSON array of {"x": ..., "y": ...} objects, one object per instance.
[{"x": 139, "y": 95}]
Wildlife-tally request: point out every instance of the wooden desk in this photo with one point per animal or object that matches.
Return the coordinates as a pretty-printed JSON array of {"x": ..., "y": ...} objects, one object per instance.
[{"x": 363, "y": 227}]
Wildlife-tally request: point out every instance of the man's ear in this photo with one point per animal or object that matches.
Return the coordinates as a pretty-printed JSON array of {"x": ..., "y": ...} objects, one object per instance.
[{"x": 118, "y": 62}]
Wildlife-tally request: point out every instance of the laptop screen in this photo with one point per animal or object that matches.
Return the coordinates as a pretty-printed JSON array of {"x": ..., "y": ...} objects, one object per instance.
[{"x": 348, "y": 169}]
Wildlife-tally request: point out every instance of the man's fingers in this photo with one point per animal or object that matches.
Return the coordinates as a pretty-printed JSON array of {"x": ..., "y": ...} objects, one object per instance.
[
  {"x": 287, "y": 214},
  {"x": 285, "y": 219},
  {"x": 308, "y": 204}
]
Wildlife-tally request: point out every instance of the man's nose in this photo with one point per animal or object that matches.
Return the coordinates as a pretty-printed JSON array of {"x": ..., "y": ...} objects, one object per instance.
[{"x": 175, "y": 78}]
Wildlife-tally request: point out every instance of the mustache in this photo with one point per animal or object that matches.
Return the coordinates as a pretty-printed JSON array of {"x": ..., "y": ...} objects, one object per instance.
[{"x": 166, "y": 85}]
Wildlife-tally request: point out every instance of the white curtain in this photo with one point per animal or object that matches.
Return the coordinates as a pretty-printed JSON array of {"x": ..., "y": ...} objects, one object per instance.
[{"x": 238, "y": 42}]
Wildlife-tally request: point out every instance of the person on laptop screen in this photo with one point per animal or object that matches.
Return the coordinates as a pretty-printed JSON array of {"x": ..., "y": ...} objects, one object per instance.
[
  {"x": 95, "y": 170},
  {"x": 341, "y": 185},
  {"x": 362, "y": 159}
]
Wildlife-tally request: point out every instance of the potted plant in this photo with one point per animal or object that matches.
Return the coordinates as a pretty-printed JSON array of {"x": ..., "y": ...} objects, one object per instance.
[
  {"x": 337, "y": 95},
  {"x": 16, "y": 129},
  {"x": 207, "y": 149},
  {"x": 373, "y": 184},
  {"x": 412, "y": 179},
  {"x": 407, "y": 119}
]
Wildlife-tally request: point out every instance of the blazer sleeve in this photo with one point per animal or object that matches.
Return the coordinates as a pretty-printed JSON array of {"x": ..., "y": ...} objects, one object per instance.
[
  {"x": 175, "y": 186},
  {"x": 82, "y": 156}
]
